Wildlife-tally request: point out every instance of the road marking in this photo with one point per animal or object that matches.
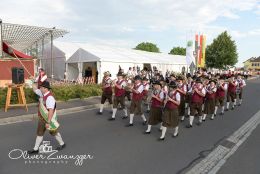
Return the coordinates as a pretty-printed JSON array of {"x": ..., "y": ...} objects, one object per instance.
[{"x": 218, "y": 157}]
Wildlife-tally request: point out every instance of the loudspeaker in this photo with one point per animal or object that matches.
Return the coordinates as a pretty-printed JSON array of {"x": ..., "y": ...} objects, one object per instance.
[{"x": 17, "y": 75}]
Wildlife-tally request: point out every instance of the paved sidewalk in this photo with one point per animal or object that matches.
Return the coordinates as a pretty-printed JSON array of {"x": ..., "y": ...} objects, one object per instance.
[{"x": 32, "y": 108}]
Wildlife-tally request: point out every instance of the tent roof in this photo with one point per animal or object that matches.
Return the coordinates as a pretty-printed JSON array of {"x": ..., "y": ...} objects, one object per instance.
[
  {"x": 91, "y": 53},
  {"x": 22, "y": 37}
]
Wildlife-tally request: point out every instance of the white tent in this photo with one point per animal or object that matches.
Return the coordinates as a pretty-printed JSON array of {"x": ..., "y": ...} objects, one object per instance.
[
  {"x": 62, "y": 51},
  {"x": 102, "y": 58}
]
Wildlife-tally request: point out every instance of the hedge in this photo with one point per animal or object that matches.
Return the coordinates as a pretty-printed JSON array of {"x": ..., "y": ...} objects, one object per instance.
[{"x": 61, "y": 93}]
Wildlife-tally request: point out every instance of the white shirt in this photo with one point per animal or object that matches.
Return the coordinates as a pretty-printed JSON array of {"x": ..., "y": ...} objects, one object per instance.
[
  {"x": 123, "y": 84},
  {"x": 243, "y": 82},
  {"x": 184, "y": 87},
  {"x": 140, "y": 88},
  {"x": 50, "y": 101},
  {"x": 146, "y": 87}
]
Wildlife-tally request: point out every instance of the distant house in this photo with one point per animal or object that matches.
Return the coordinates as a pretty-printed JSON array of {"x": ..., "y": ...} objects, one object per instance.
[{"x": 252, "y": 64}]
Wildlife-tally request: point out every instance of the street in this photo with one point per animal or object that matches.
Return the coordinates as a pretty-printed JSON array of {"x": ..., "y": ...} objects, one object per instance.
[{"x": 117, "y": 149}]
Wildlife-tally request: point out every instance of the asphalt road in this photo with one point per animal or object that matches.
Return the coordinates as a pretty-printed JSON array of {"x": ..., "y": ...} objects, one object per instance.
[{"x": 117, "y": 149}]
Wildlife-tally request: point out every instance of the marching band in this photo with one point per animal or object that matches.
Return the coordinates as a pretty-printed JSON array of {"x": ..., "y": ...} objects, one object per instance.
[{"x": 168, "y": 101}]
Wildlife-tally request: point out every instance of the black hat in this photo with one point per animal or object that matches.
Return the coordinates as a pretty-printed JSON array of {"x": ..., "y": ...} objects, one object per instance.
[
  {"x": 180, "y": 78},
  {"x": 213, "y": 80},
  {"x": 144, "y": 79},
  {"x": 137, "y": 77},
  {"x": 120, "y": 74},
  {"x": 173, "y": 84},
  {"x": 45, "y": 84},
  {"x": 198, "y": 80},
  {"x": 157, "y": 83}
]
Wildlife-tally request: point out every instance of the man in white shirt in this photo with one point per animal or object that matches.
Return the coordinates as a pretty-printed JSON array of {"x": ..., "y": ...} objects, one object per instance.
[
  {"x": 135, "y": 107},
  {"x": 46, "y": 122}
]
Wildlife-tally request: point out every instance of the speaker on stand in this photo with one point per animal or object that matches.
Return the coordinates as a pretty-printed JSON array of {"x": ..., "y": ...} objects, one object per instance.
[{"x": 17, "y": 75}]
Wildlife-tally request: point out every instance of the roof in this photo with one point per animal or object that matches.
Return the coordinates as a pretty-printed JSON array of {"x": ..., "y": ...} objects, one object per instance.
[
  {"x": 22, "y": 37},
  {"x": 253, "y": 59},
  {"x": 104, "y": 53}
]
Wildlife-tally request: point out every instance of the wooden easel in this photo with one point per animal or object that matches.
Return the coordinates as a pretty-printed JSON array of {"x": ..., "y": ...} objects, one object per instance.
[{"x": 21, "y": 96}]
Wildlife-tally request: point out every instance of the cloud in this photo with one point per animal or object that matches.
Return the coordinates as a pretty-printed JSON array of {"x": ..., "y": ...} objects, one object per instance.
[
  {"x": 250, "y": 33},
  {"x": 47, "y": 13}
]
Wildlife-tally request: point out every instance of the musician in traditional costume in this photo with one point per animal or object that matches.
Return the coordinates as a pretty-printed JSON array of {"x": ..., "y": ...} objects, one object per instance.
[
  {"x": 241, "y": 84},
  {"x": 198, "y": 93},
  {"x": 136, "y": 103},
  {"x": 231, "y": 94},
  {"x": 170, "y": 116},
  {"x": 119, "y": 97},
  {"x": 210, "y": 100},
  {"x": 145, "y": 93},
  {"x": 107, "y": 91},
  {"x": 155, "y": 115},
  {"x": 182, "y": 89},
  {"x": 47, "y": 118},
  {"x": 220, "y": 95},
  {"x": 189, "y": 85}
]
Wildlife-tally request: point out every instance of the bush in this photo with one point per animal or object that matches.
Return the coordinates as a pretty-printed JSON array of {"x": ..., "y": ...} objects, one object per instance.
[{"x": 61, "y": 93}]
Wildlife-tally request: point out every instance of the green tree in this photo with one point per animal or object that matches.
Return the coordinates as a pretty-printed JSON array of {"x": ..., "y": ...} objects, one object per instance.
[
  {"x": 147, "y": 46},
  {"x": 178, "y": 51},
  {"x": 222, "y": 52}
]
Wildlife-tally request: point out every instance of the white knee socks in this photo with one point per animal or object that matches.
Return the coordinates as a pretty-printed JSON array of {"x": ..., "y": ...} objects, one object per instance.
[{"x": 38, "y": 142}]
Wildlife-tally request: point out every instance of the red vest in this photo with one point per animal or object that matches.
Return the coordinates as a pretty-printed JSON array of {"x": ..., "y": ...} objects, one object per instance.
[
  {"x": 107, "y": 90},
  {"x": 137, "y": 96},
  {"x": 182, "y": 88},
  {"x": 196, "y": 98},
  {"x": 220, "y": 91},
  {"x": 231, "y": 87},
  {"x": 211, "y": 96},
  {"x": 119, "y": 92},
  {"x": 44, "y": 102},
  {"x": 155, "y": 102},
  {"x": 171, "y": 105}
]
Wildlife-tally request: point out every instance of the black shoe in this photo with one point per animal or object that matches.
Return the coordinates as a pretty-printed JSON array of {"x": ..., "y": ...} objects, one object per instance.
[
  {"x": 147, "y": 132},
  {"x": 144, "y": 123},
  {"x": 233, "y": 108},
  {"x": 100, "y": 113},
  {"x": 61, "y": 147},
  {"x": 31, "y": 152},
  {"x": 204, "y": 120},
  {"x": 215, "y": 115},
  {"x": 239, "y": 104},
  {"x": 129, "y": 125},
  {"x": 226, "y": 109},
  {"x": 111, "y": 119},
  {"x": 147, "y": 111},
  {"x": 174, "y": 136},
  {"x": 124, "y": 117},
  {"x": 189, "y": 126},
  {"x": 160, "y": 139},
  {"x": 199, "y": 123},
  {"x": 221, "y": 113}
]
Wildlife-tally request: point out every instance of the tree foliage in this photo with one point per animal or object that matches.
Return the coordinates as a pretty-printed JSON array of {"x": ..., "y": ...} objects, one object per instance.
[
  {"x": 178, "y": 51},
  {"x": 147, "y": 46},
  {"x": 222, "y": 52}
]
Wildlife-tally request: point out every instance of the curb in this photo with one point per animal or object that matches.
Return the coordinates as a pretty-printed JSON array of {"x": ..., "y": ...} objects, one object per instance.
[{"x": 61, "y": 112}]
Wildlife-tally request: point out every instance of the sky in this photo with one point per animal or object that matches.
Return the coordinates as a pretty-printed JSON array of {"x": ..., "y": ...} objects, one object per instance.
[{"x": 125, "y": 23}]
